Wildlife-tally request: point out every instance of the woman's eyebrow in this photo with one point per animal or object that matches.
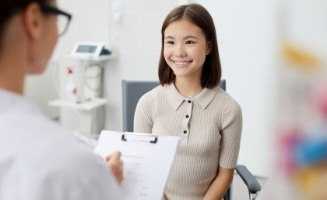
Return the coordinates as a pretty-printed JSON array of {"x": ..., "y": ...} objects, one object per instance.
[
  {"x": 185, "y": 38},
  {"x": 190, "y": 37},
  {"x": 169, "y": 37}
]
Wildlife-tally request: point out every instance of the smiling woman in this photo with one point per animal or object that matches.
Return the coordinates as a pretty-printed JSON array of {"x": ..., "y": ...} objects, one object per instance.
[{"x": 190, "y": 104}]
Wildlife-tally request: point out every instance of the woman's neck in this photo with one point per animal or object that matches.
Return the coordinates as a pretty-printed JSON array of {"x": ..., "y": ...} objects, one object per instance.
[
  {"x": 188, "y": 88},
  {"x": 12, "y": 73}
]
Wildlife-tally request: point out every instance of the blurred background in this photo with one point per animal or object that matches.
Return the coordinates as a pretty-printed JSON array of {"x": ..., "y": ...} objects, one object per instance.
[{"x": 301, "y": 113}]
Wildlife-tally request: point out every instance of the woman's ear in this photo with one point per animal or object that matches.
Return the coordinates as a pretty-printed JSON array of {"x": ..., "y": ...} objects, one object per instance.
[{"x": 32, "y": 20}]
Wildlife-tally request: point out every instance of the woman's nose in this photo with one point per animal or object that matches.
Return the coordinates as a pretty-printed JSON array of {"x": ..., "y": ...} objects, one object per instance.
[{"x": 179, "y": 51}]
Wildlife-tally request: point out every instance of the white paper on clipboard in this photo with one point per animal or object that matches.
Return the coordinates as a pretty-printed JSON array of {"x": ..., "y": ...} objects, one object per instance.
[{"x": 147, "y": 161}]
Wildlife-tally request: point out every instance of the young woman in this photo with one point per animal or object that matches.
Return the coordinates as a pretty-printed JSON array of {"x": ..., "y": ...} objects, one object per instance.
[
  {"x": 38, "y": 159},
  {"x": 189, "y": 103}
]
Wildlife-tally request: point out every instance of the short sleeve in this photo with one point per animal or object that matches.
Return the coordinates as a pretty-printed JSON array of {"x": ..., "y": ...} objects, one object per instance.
[{"x": 231, "y": 134}]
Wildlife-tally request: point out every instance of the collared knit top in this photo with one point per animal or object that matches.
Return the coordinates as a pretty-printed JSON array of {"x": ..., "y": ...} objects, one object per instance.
[{"x": 210, "y": 126}]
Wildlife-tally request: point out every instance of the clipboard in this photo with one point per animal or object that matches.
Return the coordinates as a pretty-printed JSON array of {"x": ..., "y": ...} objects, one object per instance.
[{"x": 147, "y": 161}]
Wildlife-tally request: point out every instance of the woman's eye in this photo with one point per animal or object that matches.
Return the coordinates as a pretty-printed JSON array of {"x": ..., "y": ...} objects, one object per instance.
[
  {"x": 169, "y": 42},
  {"x": 190, "y": 42}
]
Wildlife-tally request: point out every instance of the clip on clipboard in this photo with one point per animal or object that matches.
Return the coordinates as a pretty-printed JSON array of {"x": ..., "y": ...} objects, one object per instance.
[{"x": 153, "y": 141}]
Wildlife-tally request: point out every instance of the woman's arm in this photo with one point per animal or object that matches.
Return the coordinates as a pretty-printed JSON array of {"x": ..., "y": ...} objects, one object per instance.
[
  {"x": 230, "y": 144},
  {"x": 220, "y": 185}
]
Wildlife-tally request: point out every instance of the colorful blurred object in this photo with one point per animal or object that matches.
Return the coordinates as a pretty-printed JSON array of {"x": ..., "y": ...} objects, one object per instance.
[
  {"x": 303, "y": 137},
  {"x": 310, "y": 151},
  {"x": 299, "y": 57},
  {"x": 319, "y": 99},
  {"x": 302, "y": 102}
]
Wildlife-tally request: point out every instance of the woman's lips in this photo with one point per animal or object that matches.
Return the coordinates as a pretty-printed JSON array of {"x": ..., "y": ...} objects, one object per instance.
[{"x": 182, "y": 63}]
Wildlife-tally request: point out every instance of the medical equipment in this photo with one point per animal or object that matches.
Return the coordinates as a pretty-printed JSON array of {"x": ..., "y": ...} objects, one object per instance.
[
  {"x": 80, "y": 81},
  {"x": 91, "y": 50},
  {"x": 83, "y": 71}
]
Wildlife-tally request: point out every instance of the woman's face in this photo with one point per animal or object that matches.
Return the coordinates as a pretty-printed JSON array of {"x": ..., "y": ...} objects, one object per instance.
[{"x": 185, "y": 48}]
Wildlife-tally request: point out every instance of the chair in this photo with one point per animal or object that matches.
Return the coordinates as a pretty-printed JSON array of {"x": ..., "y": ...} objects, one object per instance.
[{"x": 132, "y": 92}]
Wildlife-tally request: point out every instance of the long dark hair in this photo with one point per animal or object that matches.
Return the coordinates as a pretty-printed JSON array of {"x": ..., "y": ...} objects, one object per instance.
[{"x": 199, "y": 16}]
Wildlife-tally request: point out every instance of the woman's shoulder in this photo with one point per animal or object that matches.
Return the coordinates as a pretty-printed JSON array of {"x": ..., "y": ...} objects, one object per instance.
[
  {"x": 152, "y": 94},
  {"x": 149, "y": 99},
  {"x": 148, "y": 103},
  {"x": 225, "y": 98}
]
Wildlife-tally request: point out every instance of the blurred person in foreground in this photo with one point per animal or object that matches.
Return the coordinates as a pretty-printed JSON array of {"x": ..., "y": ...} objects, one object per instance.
[{"x": 38, "y": 158}]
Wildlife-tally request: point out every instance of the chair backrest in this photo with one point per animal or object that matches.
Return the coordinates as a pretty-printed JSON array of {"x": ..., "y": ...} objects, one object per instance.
[{"x": 132, "y": 91}]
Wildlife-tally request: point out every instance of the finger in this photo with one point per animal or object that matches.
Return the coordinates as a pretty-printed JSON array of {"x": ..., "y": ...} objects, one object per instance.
[
  {"x": 115, "y": 155},
  {"x": 120, "y": 175},
  {"x": 117, "y": 170},
  {"x": 108, "y": 157},
  {"x": 121, "y": 163},
  {"x": 116, "y": 167}
]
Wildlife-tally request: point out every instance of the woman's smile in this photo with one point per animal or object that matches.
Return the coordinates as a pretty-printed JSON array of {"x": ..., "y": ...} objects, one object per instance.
[{"x": 181, "y": 64}]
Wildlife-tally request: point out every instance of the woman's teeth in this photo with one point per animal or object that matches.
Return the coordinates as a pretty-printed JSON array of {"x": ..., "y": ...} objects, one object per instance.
[{"x": 181, "y": 63}]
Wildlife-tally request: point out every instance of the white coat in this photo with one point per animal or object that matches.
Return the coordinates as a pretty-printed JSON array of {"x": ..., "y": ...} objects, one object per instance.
[{"x": 39, "y": 160}]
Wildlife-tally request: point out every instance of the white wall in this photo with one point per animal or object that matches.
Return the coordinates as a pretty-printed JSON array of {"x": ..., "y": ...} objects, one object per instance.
[
  {"x": 247, "y": 43},
  {"x": 246, "y": 35}
]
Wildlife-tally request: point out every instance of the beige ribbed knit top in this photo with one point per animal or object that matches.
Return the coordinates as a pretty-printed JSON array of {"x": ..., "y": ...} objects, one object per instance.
[{"x": 210, "y": 126}]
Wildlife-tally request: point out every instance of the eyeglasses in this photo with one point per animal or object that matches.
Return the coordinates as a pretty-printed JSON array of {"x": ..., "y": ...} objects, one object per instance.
[{"x": 63, "y": 18}]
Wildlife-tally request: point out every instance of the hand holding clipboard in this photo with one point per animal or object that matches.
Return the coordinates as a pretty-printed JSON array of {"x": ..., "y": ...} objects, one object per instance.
[{"x": 147, "y": 161}]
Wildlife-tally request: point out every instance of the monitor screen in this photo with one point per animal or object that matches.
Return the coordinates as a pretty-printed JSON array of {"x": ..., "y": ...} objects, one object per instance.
[{"x": 86, "y": 48}]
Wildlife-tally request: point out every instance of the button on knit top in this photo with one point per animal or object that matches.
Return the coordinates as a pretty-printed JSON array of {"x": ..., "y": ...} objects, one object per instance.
[{"x": 209, "y": 125}]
